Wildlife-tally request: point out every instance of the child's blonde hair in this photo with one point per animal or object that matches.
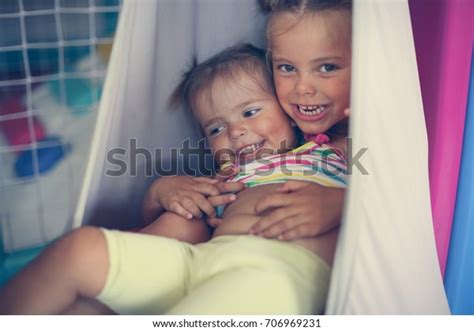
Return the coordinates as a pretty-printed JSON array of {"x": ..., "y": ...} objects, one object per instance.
[
  {"x": 224, "y": 65},
  {"x": 300, "y": 8}
]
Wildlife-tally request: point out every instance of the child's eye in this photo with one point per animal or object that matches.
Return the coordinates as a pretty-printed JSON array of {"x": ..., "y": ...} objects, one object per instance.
[
  {"x": 286, "y": 68},
  {"x": 251, "y": 112},
  {"x": 216, "y": 130},
  {"x": 325, "y": 68}
]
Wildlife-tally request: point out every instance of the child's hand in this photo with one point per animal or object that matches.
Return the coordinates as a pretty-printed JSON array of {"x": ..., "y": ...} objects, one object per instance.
[
  {"x": 299, "y": 209},
  {"x": 186, "y": 196},
  {"x": 223, "y": 199}
]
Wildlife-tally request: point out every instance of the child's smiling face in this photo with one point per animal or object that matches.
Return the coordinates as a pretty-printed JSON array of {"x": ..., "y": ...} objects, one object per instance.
[
  {"x": 238, "y": 114},
  {"x": 311, "y": 60}
]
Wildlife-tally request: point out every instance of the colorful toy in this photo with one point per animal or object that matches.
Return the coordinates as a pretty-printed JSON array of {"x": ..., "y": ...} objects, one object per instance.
[
  {"x": 17, "y": 131},
  {"x": 47, "y": 157}
]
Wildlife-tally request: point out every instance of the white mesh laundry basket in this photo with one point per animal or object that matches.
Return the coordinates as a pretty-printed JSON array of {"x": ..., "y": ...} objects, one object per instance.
[{"x": 52, "y": 67}]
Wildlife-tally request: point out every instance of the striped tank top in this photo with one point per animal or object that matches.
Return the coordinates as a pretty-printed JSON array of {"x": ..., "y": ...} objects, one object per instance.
[{"x": 315, "y": 161}]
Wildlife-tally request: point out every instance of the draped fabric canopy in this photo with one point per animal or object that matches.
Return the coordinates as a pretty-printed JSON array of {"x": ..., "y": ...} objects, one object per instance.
[{"x": 386, "y": 259}]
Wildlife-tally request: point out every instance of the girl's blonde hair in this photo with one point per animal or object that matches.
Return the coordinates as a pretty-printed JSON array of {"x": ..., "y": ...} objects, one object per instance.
[
  {"x": 299, "y": 8},
  {"x": 226, "y": 65}
]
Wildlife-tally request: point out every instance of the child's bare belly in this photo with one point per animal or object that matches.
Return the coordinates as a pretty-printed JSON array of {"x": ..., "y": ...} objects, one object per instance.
[{"x": 240, "y": 216}]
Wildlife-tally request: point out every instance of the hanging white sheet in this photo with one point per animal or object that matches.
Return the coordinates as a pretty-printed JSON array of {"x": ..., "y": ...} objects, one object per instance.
[
  {"x": 155, "y": 42},
  {"x": 386, "y": 260}
]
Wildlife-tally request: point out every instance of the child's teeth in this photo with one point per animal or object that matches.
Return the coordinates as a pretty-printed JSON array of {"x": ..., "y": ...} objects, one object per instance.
[
  {"x": 249, "y": 149},
  {"x": 311, "y": 110}
]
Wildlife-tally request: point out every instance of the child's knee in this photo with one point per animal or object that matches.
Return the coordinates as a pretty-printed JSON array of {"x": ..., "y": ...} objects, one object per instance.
[
  {"x": 78, "y": 248},
  {"x": 84, "y": 240},
  {"x": 83, "y": 250}
]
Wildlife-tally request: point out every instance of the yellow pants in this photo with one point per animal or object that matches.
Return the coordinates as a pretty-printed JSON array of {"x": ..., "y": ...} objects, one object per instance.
[{"x": 227, "y": 275}]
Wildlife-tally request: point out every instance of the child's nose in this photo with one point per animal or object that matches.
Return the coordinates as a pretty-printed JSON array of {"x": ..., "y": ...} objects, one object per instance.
[
  {"x": 305, "y": 85},
  {"x": 236, "y": 131}
]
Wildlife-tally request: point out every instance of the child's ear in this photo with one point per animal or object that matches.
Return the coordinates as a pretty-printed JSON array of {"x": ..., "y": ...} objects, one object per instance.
[{"x": 347, "y": 112}]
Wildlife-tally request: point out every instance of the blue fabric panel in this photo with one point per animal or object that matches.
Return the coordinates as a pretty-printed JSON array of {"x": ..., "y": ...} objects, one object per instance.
[{"x": 459, "y": 277}]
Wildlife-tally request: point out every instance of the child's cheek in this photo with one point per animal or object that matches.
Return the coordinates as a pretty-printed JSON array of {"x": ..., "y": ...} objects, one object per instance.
[
  {"x": 279, "y": 130},
  {"x": 280, "y": 86},
  {"x": 283, "y": 89}
]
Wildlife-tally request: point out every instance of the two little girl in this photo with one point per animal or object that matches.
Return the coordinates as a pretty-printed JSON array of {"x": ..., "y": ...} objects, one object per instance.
[
  {"x": 235, "y": 104},
  {"x": 310, "y": 52}
]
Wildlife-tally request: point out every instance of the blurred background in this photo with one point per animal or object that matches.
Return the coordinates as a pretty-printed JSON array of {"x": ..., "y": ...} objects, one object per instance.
[{"x": 53, "y": 61}]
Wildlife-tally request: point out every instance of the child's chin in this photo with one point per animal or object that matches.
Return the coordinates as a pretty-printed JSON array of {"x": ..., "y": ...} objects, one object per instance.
[{"x": 309, "y": 128}]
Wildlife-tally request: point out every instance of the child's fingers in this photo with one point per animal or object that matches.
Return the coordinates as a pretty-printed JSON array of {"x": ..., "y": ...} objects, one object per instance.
[
  {"x": 275, "y": 230},
  {"x": 303, "y": 229},
  {"x": 191, "y": 206},
  {"x": 206, "y": 180},
  {"x": 230, "y": 187},
  {"x": 176, "y": 207},
  {"x": 219, "y": 178},
  {"x": 273, "y": 200},
  {"x": 297, "y": 232},
  {"x": 214, "y": 221},
  {"x": 202, "y": 203},
  {"x": 269, "y": 225},
  {"x": 206, "y": 189},
  {"x": 222, "y": 199}
]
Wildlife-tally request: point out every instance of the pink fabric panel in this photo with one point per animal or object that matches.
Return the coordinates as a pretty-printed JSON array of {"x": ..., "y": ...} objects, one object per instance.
[{"x": 443, "y": 32}]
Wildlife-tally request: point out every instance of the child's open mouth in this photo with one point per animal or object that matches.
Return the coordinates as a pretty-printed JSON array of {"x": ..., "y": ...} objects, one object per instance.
[
  {"x": 311, "y": 112},
  {"x": 249, "y": 152}
]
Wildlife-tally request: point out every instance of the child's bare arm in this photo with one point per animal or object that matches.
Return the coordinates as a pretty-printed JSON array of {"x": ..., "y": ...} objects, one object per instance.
[
  {"x": 299, "y": 209},
  {"x": 171, "y": 225}
]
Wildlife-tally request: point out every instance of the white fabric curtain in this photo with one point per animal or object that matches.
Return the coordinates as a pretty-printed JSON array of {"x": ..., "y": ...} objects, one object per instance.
[
  {"x": 155, "y": 42},
  {"x": 386, "y": 258}
]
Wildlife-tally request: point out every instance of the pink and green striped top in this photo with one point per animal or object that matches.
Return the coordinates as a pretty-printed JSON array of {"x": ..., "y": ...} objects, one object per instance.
[{"x": 314, "y": 162}]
